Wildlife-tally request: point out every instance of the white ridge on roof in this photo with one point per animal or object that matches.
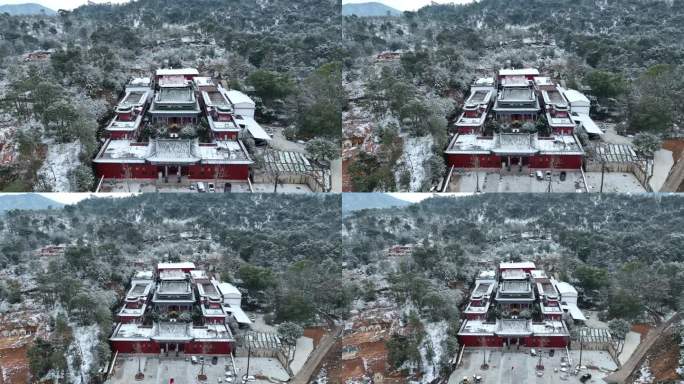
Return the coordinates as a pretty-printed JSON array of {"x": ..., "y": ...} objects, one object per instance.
[
  {"x": 183, "y": 265},
  {"x": 177, "y": 71}
]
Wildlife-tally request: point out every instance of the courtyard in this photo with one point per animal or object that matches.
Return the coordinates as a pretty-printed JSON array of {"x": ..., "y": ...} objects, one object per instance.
[
  {"x": 146, "y": 186},
  {"x": 514, "y": 367},
  {"x": 522, "y": 182},
  {"x": 160, "y": 370}
]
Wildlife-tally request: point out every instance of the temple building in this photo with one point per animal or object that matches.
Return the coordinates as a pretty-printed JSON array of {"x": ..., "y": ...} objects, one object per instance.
[
  {"x": 520, "y": 120},
  {"x": 175, "y": 100},
  {"x": 158, "y": 313},
  {"x": 130, "y": 110},
  {"x": 516, "y": 305}
]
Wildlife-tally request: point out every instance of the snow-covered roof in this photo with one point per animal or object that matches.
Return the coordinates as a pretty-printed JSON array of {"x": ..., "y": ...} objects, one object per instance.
[
  {"x": 179, "y": 332},
  {"x": 140, "y": 275},
  {"x": 519, "y": 72},
  {"x": 513, "y": 327},
  {"x": 520, "y": 265},
  {"x": 587, "y": 123},
  {"x": 177, "y": 72},
  {"x": 237, "y": 97},
  {"x": 139, "y": 83},
  {"x": 565, "y": 288},
  {"x": 173, "y": 82},
  {"x": 223, "y": 152},
  {"x": 239, "y": 315},
  {"x": 538, "y": 274},
  {"x": 229, "y": 290},
  {"x": 181, "y": 265},
  {"x": 484, "y": 82},
  {"x": 574, "y": 312},
  {"x": 175, "y": 94},
  {"x": 516, "y": 143},
  {"x": 172, "y": 151},
  {"x": 121, "y": 151},
  {"x": 576, "y": 97},
  {"x": 203, "y": 81},
  {"x": 254, "y": 128},
  {"x": 124, "y": 125},
  {"x": 542, "y": 81},
  {"x": 486, "y": 275},
  {"x": 513, "y": 274},
  {"x": 549, "y": 327}
]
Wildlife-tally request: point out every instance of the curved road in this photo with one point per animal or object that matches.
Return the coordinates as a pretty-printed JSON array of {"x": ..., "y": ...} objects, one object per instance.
[
  {"x": 315, "y": 359},
  {"x": 621, "y": 375}
]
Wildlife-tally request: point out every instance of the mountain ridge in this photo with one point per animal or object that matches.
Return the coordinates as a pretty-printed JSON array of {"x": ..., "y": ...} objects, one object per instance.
[
  {"x": 369, "y": 9},
  {"x": 26, "y": 9},
  {"x": 26, "y": 201},
  {"x": 359, "y": 201}
]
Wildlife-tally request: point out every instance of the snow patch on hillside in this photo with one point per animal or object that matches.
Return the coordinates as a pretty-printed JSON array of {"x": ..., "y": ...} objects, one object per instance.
[
  {"x": 85, "y": 339},
  {"x": 416, "y": 151},
  {"x": 60, "y": 159},
  {"x": 435, "y": 333}
]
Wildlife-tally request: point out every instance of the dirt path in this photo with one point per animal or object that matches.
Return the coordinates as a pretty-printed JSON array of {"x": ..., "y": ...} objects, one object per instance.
[
  {"x": 621, "y": 375},
  {"x": 675, "y": 179},
  {"x": 315, "y": 359}
]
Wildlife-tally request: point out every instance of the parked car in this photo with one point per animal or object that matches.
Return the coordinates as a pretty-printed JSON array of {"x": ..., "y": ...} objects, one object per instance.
[
  {"x": 227, "y": 187},
  {"x": 200, "y": 187},
  {"x": 214, "y": 360},
  {"x": 584, "y": 378},
  {"x": 540, "y": 175},
  {"x": 548, "y": 175},
  {"x": 563, "y": 175},
  {"x": 193, "y": 360},
  {"x": 211, "y": 187}
]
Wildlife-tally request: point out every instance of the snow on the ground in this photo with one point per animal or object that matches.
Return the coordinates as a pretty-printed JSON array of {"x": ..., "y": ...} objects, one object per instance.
[
  {"x": 302, "y": 351},
  {"x": 259, "y": 325},
  {"x": 632, "y": 340},
  {"x": 416, "y": 151},
  {"x": 645, "y": 375},
  {"x": 264, "y": 366},
  {"x": 435, "y": 333},
  {"x": 85, "y": 339},
  {"x": 662, "y": 164},
  {"x": 593, "y": 320},
  {"x": 322, "y": 377},
  {"x": 60, "y": 159}
]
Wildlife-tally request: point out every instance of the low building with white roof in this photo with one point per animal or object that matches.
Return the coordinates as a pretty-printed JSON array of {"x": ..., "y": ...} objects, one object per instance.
[{"x": 242, "y": 104}]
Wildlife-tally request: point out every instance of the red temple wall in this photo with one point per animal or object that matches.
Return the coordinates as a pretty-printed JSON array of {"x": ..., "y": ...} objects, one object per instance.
[
  {"x": 211, "y": 348},
  {"x": 468, "y": 161},
  {"x": 149, "y": 171},
  {"x": 480, "y": 341},
  {"x": 136, "y": 346}
]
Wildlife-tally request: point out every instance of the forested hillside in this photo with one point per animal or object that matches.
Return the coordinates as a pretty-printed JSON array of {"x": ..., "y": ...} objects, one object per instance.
[
  {"x": 283, "y": 251},
  {"x": 284, "y": 54},
  {"x": 604, "y": 245},
  {"x": 625, "y": 54}
]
